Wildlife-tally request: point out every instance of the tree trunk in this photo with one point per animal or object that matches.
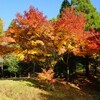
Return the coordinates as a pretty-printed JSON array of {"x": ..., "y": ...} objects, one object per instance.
[
  {"x": 87, "y": 70},
  {"x": 15, "y": 75},
  {"x": 87, "y": 67},
  {"x": 29, "y": 75},
  {"x": 34, "y": 70},
  {"x": 20, "y": 75},
  {"x": 2, "y": 71},
  {"x": 95, "y": 69},
  {"x": 67, "y": 73},
  {"x": 52, "y": 87},
  {"x": 68, "y": 66}
]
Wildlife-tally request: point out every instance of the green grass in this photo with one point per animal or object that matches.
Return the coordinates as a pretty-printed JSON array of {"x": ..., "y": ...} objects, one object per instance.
[
  {"x": 33, "y": 89},
  {"x": 19, "y": 90}
]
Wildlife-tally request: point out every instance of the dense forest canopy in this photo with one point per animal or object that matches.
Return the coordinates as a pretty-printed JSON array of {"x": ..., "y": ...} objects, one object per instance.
[{"x": 74, "y": 34}]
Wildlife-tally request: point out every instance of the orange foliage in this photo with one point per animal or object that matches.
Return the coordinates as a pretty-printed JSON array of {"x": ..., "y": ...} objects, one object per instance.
[
  {"x": 69, "y": 32},
  {"x": 71, "y": 37},
  {"x": 40, "y": 37},
  {"x": 6, "y": 39},
  {"x": 47, "y": 76},
  {"x": 4, "y": 48},
  {"x": 33, "y": 32},
  {"x": 93, "y": 39}
]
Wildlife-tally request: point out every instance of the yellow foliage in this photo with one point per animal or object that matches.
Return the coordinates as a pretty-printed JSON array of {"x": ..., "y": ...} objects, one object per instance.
[
  {"x": 32, "y": 52},
  {"x": 70, "y": 47},
  {"x": 29, "y": 33},
  {"x": 20, "y": 56},
  {"x": 37, "y": 42}
]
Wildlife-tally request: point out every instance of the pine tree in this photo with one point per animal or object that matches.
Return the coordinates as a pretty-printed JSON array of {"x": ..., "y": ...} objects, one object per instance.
[{"x": 64, "y": 5}]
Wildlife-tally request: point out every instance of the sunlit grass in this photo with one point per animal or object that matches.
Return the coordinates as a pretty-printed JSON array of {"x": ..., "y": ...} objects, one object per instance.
[
  {"x": 33, "y": 89},
  {"x": 19, "y": 90}
]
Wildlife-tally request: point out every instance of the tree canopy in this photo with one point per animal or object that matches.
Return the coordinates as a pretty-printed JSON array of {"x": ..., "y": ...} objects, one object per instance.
[
  {"x": 86, "y": 7},
  {"x": 39, "y": 38},
  {"x": 33, "y": 33}
]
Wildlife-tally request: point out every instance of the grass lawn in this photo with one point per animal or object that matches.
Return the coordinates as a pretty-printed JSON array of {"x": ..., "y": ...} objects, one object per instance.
[{"x": 33, "y": 89}]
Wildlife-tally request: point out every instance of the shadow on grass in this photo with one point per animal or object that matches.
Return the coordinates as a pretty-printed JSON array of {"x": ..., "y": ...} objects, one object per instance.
[
  {"x": 90, "y": 85},
  {"x": 34, "y": 82},
  {"x": 64, "y": 92}
]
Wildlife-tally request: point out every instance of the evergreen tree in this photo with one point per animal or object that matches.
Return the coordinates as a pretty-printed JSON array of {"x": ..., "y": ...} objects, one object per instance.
[
  {"x": 12, "y": 22},
  {"x": 93, "y": 17},
  {"x": 85, "y": 6},
  {"x": 64, "y": 5}
]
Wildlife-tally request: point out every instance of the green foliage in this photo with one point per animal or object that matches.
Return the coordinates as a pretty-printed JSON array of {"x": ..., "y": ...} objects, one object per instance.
[
  {"x": 12, "y": 64},
  {"x": 93, "y": 20},
  {"x": 91, "y": 14},
  {"x": 54, "y": 19},
  {"x": 83, "y": 6},
  {"x": 12, "y": 22},
  {"x": 80, "y": 67},
  {"x": 64, "y": 5},
  {"x": 1, "y": 26}
]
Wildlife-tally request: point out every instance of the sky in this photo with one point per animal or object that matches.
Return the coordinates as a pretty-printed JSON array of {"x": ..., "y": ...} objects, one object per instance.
[{"x": 50, "y": 8}]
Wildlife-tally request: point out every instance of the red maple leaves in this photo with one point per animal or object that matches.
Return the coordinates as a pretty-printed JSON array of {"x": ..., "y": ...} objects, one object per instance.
[
  {"x": 39, "y": 36},
  {"x": 70, "y": 35}
]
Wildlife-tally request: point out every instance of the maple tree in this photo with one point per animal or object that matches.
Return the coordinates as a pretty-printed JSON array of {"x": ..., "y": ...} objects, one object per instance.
[
  {"x": 33, "y": 33},
  {"x": 69, "y": 31},
  {"x": 40, "y": 38},
  {"x": 4, "y": 41},
  {"x": 48, "y": 77},
  {"x": 93, "y": 45},
  {"x": 71, "y": 37},
  {"x": 45, "y": 41}
]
